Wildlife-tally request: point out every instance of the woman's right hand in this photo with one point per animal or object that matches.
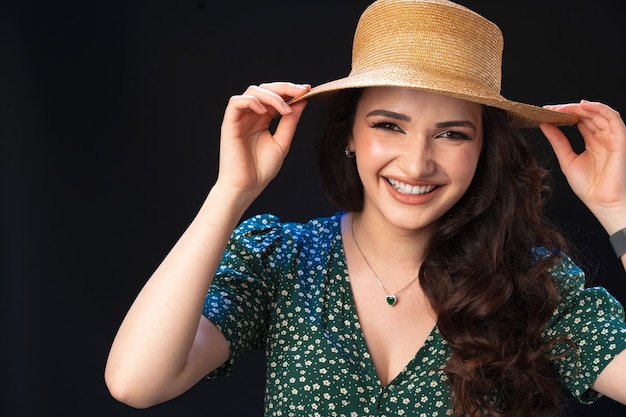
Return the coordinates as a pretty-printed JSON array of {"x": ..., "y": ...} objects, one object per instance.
[
  {"x": 164, "y": 346},
  {"x": 250, "y": 154}
]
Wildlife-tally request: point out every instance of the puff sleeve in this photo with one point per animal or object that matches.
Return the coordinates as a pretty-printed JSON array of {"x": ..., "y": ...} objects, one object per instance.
[
  {"x": 593, "y": 321},
  {"x": 242, "y": 292}
]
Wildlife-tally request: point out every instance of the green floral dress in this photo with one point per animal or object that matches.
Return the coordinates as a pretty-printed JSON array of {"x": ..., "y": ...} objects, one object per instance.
[{"x": 285, "y": 288}]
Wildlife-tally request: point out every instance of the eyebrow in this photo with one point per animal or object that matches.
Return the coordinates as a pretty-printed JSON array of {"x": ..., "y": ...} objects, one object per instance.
[
  {"x": 391, "y": 114},
  {"x": 405, "y": 118},
  {"x": 455, "y": 123}
]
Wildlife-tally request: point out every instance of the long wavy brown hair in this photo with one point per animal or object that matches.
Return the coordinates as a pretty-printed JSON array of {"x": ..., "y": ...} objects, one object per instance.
[{"x": 481, "y": 271}]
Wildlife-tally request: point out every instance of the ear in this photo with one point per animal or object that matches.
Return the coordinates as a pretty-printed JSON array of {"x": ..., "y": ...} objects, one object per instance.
[{"x": 350, "y": 143}]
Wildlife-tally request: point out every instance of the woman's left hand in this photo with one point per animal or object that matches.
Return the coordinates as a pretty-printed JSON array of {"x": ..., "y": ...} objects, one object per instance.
[{"x": 598, "y": 174}]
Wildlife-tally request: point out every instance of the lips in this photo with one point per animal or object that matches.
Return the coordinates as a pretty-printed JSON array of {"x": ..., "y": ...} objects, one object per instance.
[{"x": 410, "y": 189}]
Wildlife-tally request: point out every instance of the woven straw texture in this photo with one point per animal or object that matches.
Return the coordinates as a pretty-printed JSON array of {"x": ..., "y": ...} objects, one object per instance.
[{"x": 437, "y": 46}]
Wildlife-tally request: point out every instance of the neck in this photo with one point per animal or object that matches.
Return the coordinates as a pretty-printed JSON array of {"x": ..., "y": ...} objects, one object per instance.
[
  {"x": 393, "y": 275},
  {"x": 387, "y": 244}
]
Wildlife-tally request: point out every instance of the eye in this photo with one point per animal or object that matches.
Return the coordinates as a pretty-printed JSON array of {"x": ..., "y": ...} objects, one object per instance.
[
  {"x": 453, "y": 135},
  {"x": 390, "y": 126}
]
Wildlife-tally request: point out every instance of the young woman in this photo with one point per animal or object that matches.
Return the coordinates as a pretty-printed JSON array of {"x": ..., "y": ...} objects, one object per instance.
[{"x": 441, "y": 287}]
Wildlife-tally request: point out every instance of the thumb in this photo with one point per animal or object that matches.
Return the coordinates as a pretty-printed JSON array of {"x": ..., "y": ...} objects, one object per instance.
[
  {"x": 560, "y": 144},
  {"x": 286, "y": 128}
]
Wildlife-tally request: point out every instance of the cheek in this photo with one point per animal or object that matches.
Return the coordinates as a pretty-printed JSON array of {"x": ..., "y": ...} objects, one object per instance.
[
  {"x": 371, "y": 150},
  {"x": 463, "y": 165},
  {"x": 371, "y": 158}
]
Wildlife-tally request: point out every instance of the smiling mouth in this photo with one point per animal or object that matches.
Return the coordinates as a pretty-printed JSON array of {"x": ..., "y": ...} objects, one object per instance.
[{"x": 410, "y": 189}]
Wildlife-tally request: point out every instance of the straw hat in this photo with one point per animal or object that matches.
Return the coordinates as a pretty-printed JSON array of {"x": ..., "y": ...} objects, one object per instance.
[{"x": 437, "y": 46}]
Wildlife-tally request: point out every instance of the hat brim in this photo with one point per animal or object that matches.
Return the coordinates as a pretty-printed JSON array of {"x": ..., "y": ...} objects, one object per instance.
[{"x": 520, "y": 115}]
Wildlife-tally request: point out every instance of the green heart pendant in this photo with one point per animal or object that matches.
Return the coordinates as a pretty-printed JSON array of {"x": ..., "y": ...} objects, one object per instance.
[{"x": 392, "y": 300}]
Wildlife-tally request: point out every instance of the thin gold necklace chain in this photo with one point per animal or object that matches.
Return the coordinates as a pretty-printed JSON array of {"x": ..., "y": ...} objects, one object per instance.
[{"x": 392, "y": 298}]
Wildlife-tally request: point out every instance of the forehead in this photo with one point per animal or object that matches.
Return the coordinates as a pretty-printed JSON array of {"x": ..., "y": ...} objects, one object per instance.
[{"x": 411, "y": 100}]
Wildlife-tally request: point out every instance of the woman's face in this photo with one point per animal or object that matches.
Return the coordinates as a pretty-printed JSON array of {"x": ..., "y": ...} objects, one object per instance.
[{"x": 416, "y": 154}]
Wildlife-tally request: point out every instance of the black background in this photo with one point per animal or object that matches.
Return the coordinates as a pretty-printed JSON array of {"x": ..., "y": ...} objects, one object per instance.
[{"x": 109, "y": 128}]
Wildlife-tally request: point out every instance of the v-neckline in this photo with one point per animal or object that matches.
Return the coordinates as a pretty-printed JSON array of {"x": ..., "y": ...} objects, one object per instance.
[{"x": 362, "y": 343}]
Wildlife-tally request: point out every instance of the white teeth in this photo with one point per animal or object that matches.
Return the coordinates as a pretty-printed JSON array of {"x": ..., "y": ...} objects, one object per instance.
[{"x": 410, "y": 189}]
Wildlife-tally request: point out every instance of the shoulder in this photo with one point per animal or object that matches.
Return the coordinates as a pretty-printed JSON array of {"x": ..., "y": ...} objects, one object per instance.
[
  {"x": 571, "y": 279},
  {"x": 576, "y": 298},
  {"x": 591, "y": 320},
  {"x": 568, "y": 276},
  {"x": 565, "y": 273},
  {"x": 268, "y": 229}
]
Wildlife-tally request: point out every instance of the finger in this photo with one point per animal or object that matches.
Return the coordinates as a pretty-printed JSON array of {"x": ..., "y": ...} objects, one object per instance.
[
  {"x": 286, "y": 89},
  {"x": 270, "y": 99},
  {"x": 560, "y": 144},
  {"x": 247, "y": 103},
  {"x": 258, "y": 100},
  {"x": 587, "y": 127},
  {"x": 606, "y": 117},
  {"x": 286, "y": 128},
  {"x": 599, "y": 108},
  {"x": 594, "y": 118},
  {"x": 593, "y": 123}
]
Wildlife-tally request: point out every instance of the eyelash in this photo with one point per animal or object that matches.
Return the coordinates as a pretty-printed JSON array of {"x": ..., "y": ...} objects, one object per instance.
[
  {"x": 448, "y": 134},
  {"x": 387, "y": 126},
  {"x": 454, "y": 135}
]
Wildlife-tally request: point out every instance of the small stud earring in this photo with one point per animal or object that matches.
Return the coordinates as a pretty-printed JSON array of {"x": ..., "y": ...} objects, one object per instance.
[{"x": 350, "y": 154}]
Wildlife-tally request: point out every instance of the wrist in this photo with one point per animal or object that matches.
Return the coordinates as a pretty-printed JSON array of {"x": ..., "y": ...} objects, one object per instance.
[
  {"x": 611, "y": 218},
  {"x": 231, "y": 199}
]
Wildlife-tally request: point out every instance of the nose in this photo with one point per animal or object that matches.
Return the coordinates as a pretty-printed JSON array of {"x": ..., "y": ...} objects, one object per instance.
[{"x": 417, "y": 158}]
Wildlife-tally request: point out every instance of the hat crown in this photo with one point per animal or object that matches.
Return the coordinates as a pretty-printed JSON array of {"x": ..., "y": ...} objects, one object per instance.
[
  {"x": 437, "y": 43},
  {"x": 437, "y": 46}
]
